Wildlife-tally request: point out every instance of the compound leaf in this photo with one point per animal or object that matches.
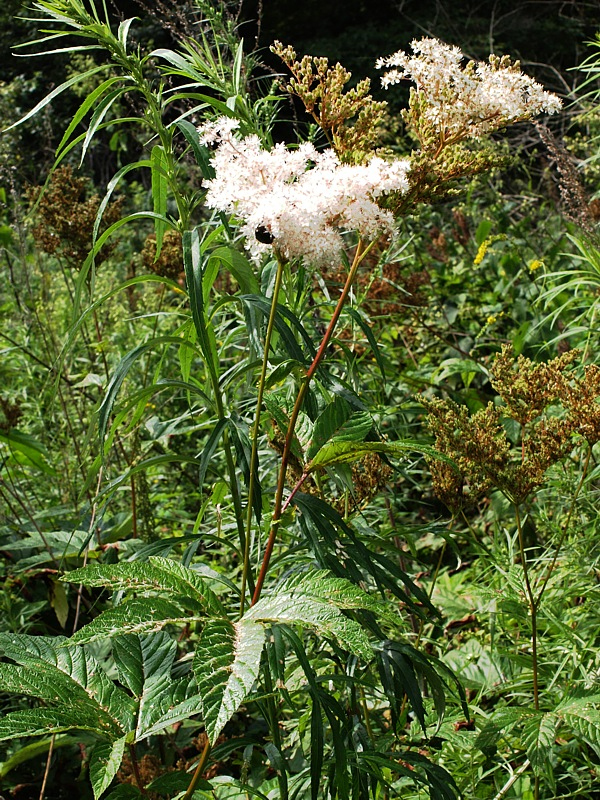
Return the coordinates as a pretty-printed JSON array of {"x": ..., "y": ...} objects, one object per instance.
[{"x": 226, "y": 665}]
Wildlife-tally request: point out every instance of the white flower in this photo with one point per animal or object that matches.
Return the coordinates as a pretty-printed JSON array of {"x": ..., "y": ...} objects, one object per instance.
[
  {"x": 468, "y": 101},
  {"x": 303, "y": 198}
]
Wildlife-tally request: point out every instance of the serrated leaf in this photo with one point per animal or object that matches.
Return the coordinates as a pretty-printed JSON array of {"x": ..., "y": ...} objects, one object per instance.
[
  {"x": 338, "y": 422},
  {"x": 54, "y": 670},
  {"x": 584, "y": 720},
  {"x": 325, "y": 619},
  {"x": 139, "y": 658},
  {"x": 155, "y": 575},
  {"x": 345, "y": 452},
  {"x": 43, "y": 721},
  {"x": 539, "y": 733},
  {"x": 134, "y": 616},
  {"x": 144, "y": 664},
  {"x": 324, "y": 587},
  {"x": 175, "y": 704},
  {"x": 226, "y": 665},
  {"x": 104, "y": 763}
]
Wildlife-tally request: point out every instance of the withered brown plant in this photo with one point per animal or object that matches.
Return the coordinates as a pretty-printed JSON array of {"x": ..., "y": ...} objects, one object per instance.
[
  {"x": 552, "y": 407},
  {"x": 66, "y": 213},
  {"x": 349, "y": 118}
]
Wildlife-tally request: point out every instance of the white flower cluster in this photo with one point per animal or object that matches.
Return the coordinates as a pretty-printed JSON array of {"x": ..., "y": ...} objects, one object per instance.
[
  {"x": 302, "y": 200},
  {"x": 470, "y": 101}
]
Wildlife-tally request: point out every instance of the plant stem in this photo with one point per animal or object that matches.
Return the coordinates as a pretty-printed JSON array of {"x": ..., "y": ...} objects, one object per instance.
[
  {"x": 512, "y": 780},
  {"x": 275, "y": 732},
  {"x": 532, "y": 609},
  {"x": 136, "y": 770},
  {"x": 360, "y": 253},
  {"x": 256, "y": 425},
  {"x": 198, "y": 771}
]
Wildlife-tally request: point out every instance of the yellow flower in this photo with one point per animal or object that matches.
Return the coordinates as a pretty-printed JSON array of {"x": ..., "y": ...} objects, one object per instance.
[{"x": 535, "y": 264}]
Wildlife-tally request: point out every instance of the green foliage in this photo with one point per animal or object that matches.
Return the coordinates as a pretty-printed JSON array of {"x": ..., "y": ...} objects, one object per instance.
[{"x": 212, "y": 471}]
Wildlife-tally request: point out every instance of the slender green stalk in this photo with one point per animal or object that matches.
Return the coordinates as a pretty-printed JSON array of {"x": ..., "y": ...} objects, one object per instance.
[
  {"x": 532, "y": 609},
  {"x": 275, "y": 732},
  {"x": 256, "y": 425},
  {"x": 198, "y": 771},
  {"x": 361, "y": 252}
]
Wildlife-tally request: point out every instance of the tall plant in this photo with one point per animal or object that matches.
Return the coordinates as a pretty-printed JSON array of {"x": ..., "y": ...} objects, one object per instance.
[{"x": 302, "y": 589}]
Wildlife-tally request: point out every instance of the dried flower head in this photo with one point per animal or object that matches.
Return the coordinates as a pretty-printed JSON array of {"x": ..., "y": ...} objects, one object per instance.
[
  {"x": 67, "y": 213},
  {"x": 302, "y": 200},
  {"x": 349, "y": 118},
  {"x": 528, "y": 388}
]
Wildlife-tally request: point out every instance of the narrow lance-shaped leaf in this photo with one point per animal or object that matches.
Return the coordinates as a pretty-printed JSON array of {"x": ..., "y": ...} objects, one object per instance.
[
  {"x": 55, "y": 92},
  {"x": 158, "y": 159}
]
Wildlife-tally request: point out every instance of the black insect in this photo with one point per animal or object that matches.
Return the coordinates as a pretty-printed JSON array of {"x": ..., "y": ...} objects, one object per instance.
[{"x": 264, "y": 235}]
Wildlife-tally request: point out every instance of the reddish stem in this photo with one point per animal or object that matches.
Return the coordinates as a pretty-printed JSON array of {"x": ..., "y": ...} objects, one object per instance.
[{"x": 287, "y": 448}]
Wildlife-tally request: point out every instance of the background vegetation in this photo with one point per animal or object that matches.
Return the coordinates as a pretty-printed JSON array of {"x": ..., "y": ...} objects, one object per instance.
[{"x": 113, "y": 450}]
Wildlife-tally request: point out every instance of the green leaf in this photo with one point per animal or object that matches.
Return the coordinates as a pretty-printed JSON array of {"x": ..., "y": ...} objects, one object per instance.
[
  {"x": 144, "y": 664},
  {"x": 275, "y": 405},
  {"x": 138, "y": 658},
  {"x": 358, "y": 317},
  {"x": 98, "y": 116},
  {"x": 133, "y": 616},
  {"x": 124, "y": 792},
  {"x": 337, "y": 422},
  {"x": 35, "y": 750},
  {"x": 239, "y": 266},
  {"x": 26, "y": 450},
  {"x": 158, "y": 159},
  {"x": 186, "y": 350},
  {"x": 44, "y": 721},
  {"x": 583, "y": 719},
  {"x": 201, "y": 153},
  {"x": 155, "y": 575},
  {"x": 539, "y": 733},
  {"x": 55, "y": 92},
  {"x": 209, "y": 449},
  {"x": 123, "y": 31},
  {"x": 63, "y": 675},
  {"x": 112, "y": 185},
  {"x": 226, "y": 665},
  {"x": 324, "y": 587},
  {"x": 59, "y": 602},
  {"x": 345, "y": 452},
  {"x": 85, "y": 107},
  {"x": 325, "y": 619},
  {"x": 104, "y": 763},
  {"x": 192, "y": 260}
]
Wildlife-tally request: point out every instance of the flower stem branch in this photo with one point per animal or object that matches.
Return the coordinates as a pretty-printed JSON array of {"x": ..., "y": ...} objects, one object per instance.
[
  {"x": 198, "y": 771},
  {"x": 256, "y": 428},
  {"x": 361, "y": 252}
]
